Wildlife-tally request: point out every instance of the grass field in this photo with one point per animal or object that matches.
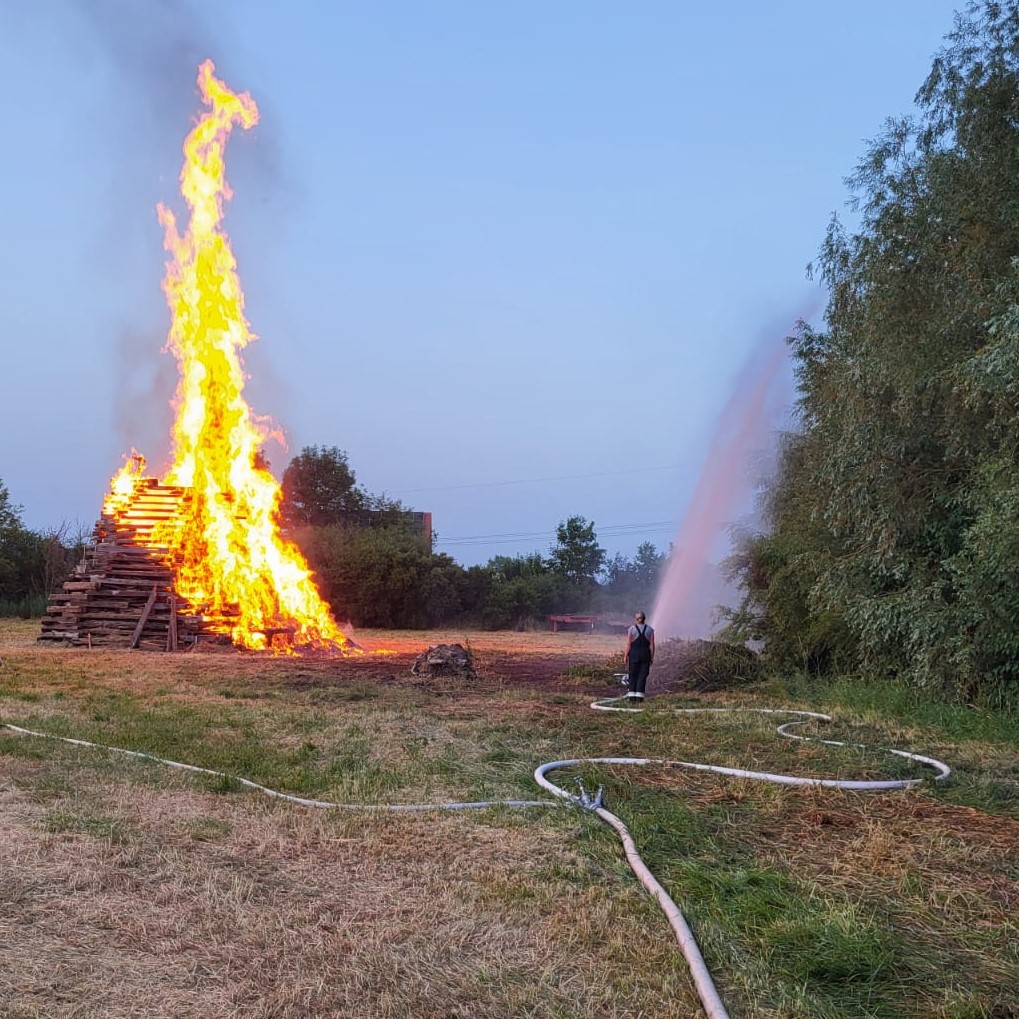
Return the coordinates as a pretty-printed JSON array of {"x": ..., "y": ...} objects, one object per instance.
[{"x": 130, "y": 889}]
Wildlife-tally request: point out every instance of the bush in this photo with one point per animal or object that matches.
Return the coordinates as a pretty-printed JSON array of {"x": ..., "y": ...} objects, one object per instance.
[{"x": 30, "y": 607}]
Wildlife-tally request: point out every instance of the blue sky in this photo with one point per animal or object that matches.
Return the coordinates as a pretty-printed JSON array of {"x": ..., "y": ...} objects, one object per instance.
[{"x": 512, "y": 257}]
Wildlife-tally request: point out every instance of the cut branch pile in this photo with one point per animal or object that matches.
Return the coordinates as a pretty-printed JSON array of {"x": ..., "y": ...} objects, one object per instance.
[{"x": 444, "y": 660}]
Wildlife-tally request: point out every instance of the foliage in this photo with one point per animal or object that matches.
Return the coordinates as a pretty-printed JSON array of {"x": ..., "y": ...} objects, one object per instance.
[
  {"x": 319, "y": 488},
  {"x": 630, "y": 584},
  {"x": 577, "y": 556},
  {"x": 29, "y": 607},
  {"x": 372, "y": 564},
  {"x": 521, "y": 589},
  {"x": 384, "y": 576},
  {"x": 10, "y": 515},
  {"x": 725, "y": 666},
  {"x": 777, "y": 571},
  {"x": 32, "y": 563},
  {"x": 893, "y": 547},
  {"x": 577, "y": 559}
]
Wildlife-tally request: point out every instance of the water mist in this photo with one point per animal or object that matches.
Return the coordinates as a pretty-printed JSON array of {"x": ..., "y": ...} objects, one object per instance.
[{"x": 692, "y": 587}]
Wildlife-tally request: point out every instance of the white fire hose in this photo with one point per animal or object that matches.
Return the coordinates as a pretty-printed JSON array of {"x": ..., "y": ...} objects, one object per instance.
[
  {"x": 703, "y": 983},
  {"x": 705, "y": 986}
]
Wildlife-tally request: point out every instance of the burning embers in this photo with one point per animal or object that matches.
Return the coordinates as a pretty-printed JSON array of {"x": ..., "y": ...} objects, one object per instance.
[{"x": 223, "y": 543}]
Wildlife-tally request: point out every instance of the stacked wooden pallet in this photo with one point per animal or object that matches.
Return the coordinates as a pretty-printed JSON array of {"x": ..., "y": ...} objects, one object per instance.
[{"x": 121, "y": 595}]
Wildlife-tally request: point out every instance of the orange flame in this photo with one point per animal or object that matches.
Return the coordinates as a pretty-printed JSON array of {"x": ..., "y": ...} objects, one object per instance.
[
  {"x": 123, "y": 483},
  {"x": 231, "y": 560}
]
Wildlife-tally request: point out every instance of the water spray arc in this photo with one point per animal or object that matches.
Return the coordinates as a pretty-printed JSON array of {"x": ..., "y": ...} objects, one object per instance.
[
  {"x": 722, "y": 485},
  {"x": 684, "y": 603},
  {"x": 701, "y": 976}
]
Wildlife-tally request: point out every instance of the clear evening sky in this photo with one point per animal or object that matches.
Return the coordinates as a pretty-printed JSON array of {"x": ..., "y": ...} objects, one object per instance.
[{"x": 512, "y": 257}]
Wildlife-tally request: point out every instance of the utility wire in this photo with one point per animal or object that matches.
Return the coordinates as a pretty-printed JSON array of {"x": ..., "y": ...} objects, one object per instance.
[
  {"x": 612, "y": 530},
  {"x": 537, "y": 481}
]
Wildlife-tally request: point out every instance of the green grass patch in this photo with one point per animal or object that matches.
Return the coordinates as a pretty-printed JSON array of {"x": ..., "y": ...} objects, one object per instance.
[
  {"x": 890, "y": 702},
  {"x": 207, "y": 829},
  {"x": 592, "y": 675},
  {"x": 64, "y": 821}
]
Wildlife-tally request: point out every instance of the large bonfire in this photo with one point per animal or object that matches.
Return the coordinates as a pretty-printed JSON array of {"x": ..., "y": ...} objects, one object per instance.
[{"x": 229, "y": 558}]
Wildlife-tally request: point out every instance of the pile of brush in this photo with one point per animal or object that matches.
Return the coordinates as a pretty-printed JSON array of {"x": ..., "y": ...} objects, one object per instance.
[{"x": 703, "y": 665}]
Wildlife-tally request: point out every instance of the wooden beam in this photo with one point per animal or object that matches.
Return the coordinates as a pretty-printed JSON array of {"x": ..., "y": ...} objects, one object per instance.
[
  {"x": 171, "y": 633},
  {"x": 136, "y": 636}
]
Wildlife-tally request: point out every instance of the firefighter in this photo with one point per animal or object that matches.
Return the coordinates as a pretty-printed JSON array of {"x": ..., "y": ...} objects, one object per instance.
[{"x": 638, "y": 656}]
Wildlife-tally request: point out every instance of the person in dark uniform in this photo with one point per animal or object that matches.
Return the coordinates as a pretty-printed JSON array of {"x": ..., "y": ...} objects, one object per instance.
[{"x": 638, "y": 656}]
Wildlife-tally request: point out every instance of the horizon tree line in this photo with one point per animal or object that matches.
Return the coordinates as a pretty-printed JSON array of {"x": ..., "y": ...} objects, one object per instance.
[{"x": 373, "y": 564}]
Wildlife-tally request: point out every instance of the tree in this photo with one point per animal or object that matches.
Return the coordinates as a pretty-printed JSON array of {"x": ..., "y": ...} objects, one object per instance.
[
  {"x": 577, "y": 559},
  {"x": 577, "y": 556},
  {"x": 777, "y": 571},
  {"x": 319, "y": 488},
  {"x": 383, "y": 576},
  {"x": 632, "y": 583},
  {"x": 906, "y": 469},
  {"x": 17, "y": 551},
  {"x": 31, "y": 563},
  {"x": 647, "y": 568},
  {"x": 520, "y": 589},
  {"x": 10, "y": 515}
]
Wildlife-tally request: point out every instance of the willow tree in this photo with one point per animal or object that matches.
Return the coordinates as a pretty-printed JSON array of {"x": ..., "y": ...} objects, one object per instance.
[{"x": 905, "y": 472}]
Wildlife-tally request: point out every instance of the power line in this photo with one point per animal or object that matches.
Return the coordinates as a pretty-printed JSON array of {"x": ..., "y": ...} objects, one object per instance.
[
  {"x": 505, "y": 538},
  {"x": 537, "y": 481}
]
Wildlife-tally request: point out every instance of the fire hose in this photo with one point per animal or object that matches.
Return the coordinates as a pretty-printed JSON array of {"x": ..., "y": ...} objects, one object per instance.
[{"x": 703, "y": 982}]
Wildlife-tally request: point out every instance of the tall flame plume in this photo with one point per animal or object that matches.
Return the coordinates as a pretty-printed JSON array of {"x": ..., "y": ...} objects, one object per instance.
[{"x": 231, "y": 560}]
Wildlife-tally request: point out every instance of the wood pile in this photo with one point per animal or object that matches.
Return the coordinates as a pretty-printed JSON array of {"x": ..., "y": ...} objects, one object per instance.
[{"x": 121, "y": 595}]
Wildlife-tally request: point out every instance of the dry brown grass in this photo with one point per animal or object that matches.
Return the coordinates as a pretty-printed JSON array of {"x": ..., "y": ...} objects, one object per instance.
[
  {"x": 18, "y": 633},
  {"x": 128, "y": 891},
  {"x": 120, "y": 898},
  {"x": 211, "y": 906}
]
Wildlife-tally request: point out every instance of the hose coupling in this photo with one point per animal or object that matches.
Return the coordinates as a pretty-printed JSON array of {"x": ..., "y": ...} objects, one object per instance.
[{"x": 585, "y": 799}]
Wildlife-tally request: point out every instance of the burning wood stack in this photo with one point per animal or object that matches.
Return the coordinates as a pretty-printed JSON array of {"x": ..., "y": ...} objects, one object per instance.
[
  {"x": 122, "y": 595},
  {"x": 200, "y": 556}
]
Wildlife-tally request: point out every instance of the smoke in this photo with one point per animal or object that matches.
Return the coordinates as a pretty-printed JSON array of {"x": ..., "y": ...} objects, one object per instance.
[
  {"x": 153, "y": 47},
  {"x": 138, "y": 61},
  {"x": 743, "y": 445},
  {"x": 146, "y": 55},
  {"x": 153, "y": 50},
  {"x": 146, "y": 381}
]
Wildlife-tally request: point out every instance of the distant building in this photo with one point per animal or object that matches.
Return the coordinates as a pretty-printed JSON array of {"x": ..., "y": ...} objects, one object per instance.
[
  {"x": 418, "y": 522},
  {"x": 421, "y": 522}
]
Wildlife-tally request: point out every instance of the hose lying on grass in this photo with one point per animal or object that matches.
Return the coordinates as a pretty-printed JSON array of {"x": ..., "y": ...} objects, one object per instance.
[{"x": 703, "y": 982}]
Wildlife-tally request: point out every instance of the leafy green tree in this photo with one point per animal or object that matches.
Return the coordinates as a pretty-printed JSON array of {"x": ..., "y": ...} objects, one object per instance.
[
  {"x": 647, "y": 566},
  {"x": 16, "y": 553},
  {"x": 630, "y": 583},
  {"x": 10, "y": 515},
  {"x": 777, "y": 572},
  {"x": 577, "y": 559},
  {"x": 620, "y": 579},
  {"x": 521, "y": 589},
  {"x": 383, "y": 576},
  {"x": 577, "y": 556},
  {"x": 31, "y": 563},
  {"x": 903, "y": 478},
  {"x": 319, "y": 488}
]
